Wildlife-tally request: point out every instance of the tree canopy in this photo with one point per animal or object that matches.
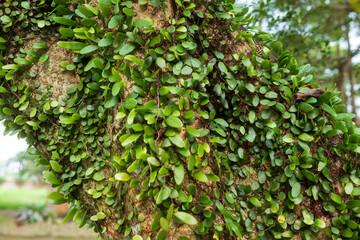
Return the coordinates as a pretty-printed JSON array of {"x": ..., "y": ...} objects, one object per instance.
[
  {"x": 304, "y": 28},
  {"x": 176, "y": 119}
]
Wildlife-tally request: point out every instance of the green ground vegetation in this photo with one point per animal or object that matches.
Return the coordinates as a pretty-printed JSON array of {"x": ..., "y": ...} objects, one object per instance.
[{"x": 16, "y": 198}]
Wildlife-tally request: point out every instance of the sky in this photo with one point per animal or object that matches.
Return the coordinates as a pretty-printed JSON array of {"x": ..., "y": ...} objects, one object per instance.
[{"x": 9, "y": 147}]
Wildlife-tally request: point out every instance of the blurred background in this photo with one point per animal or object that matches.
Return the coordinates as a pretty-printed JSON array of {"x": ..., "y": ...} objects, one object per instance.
[
  {"x": 25, "y": 212},
  {"x": 324, "y": 33}
]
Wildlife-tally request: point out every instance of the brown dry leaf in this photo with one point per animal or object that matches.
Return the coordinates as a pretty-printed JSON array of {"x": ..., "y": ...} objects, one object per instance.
[{"x": 317, "y": 92}]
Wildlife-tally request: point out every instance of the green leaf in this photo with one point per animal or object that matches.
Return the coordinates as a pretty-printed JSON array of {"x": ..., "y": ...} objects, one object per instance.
[
  {"x": 8, "y": 111},
  {"x": 173, "y": 121},
  {"x": 162, "y": 235},
  {"x": 105, "y": 2},
  {"x": 349, "y": 188},
  {"x": 86, "y": 12},
  {"x": 115, "y": 21},
  {"x": 181, "y": 29},
  {"x": 25, "y": 5},
  {"x": 254, "y": 201},
  {"x": 222, "y": 67},
  {"x": 141, "y": 23},
  {"x": 100, "y": 215},
  {"x": 347, "y": 233},
  {"x": 193, "y": 131},
  {"x": 164, "y": 224},
  {"x": 271, "y": 95},
  {"x": 252, "y": 116},
  {"x": 223, "y": 15},
  {"x": 308, "y": 217},
  {"x": 251, "y": 135},
  {"x": 89, "y": 49},
  {"x": 134, "y": 59},
  {"x": 354, "y": 205},
  {"x": 131, "y": 138},
  {"x": 179, "y": 173},
  {"x": 67, "y": 32},
  {"x": 131, "y": 116},
  {"x": 40, "y": 46},
  {"x": 116, "y": 88},
  {"x": 75, "y": 46},
  {"x": 67, "y": 120},
  {"x": 309, "y": 175},
  {"x": 306, "y": 137},
  {"x": 305, "y": 107},
  {"x": 186, "y": 70},
  {"x": 65, "y": 21},
  {"x": 221, "y": 121},
  {"x": 128, "y": 12},
  {"x": 251, "y": 71},
  {"x": 55, "y": 166},
  {"x": 24, "y": 106},
  {"x": 5, "y": 19},
  {"x": 329, "y": 109},
  {"x": 177, "y": 141},
  {"x": 246, "y": 61},
  {"x": 276, "y": 76},
  {"x": 287, "y": 234},
  {"x": 56, "y": 196},
  {"x": 160, "y": 62},
  {"x": 319, "y": 223},
  {"x": 250, "y": 87},
  {"x": 296, "y": 190},
  {"x": 98, "y": 176},
  {"x": 200, "y": 176},
  {"x": 153, "y": 161},
  {"x": 135, "y": 165},
  {"x": 111, "y": 102},
  {"x": 123, "y": 177},
  {"x": 51, "y": 177},
  {"x": 163, "y": 194},
  {"x": 70, "y": 215},
  {"x": 33, "y": 124},
  {"x": 336, "y": 198},
  {"x": 130, "y": 103},
  {"x": 44, "y": 58},
  {"x": 186, "y": 218},
  {"x": 105, "y": 42},
  {"x": 3, "y": 90},
  {"x": 127, "y": 48},
  {"x": 137, "y": 237}
]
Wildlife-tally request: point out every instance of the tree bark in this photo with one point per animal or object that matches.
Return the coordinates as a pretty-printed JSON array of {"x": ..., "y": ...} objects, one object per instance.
[
  {"x": 352, "y": 78},
  {"x": 341, "y": 81}
]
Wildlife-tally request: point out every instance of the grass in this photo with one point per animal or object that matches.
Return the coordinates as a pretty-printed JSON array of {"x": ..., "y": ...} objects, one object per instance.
[{"x": 15, "y": 198}]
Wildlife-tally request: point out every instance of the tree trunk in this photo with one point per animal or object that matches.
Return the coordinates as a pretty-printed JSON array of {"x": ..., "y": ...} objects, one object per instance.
[
  {"x": 352, "y": 78},
  {"x": 167, "y": 120},
  {"x": 353, "y": 93},
  {"x": 341, "y": 81}
]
